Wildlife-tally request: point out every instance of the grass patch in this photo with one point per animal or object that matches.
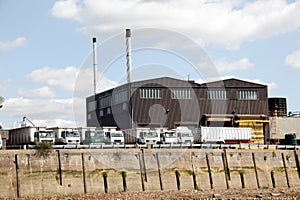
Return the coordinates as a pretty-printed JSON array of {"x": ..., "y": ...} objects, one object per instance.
[{"x": 43, "y": 149}]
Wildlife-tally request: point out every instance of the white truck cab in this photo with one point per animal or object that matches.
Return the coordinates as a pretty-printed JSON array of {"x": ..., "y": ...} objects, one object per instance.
[
  {"x": 66, "y": 135},
  {"x": 113, "y": 135},
  {"x": 185, "y": 135},
  {"x": 168, "y": 137},
  {"x": 149, "y": 137}
]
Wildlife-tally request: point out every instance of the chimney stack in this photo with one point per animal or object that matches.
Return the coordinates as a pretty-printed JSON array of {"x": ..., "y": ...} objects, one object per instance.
[
  {"x": 128, "y": 54},
  {"x": 95, "y": 64}
]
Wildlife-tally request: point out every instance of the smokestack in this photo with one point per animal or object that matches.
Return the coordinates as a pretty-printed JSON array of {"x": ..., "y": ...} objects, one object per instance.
[
  {"x": 95, "y": 64},
  {"x": 128, "y": 54}
]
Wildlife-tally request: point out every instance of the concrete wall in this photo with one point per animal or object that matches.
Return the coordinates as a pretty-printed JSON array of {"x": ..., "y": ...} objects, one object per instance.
[
  {"x": 285, "y": 125},
  {"x": 34, "y": 173}
]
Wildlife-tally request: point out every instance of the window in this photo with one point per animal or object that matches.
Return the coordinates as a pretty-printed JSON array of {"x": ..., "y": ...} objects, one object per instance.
[
  {"x": 247, "y": 94},
  {"x": 181, "y": 94},
  {"x": 120, "y": 97},
  {"x": 105, "y": 101},
  {"x": 101, "y": 113},
  {"x": 151, "y": 93},
  {"x": 124, "y": 106},
  {"x": 108, "y": 111},
  {"x": 91, "y": 106},
  {"x": 218, "y": 94}
]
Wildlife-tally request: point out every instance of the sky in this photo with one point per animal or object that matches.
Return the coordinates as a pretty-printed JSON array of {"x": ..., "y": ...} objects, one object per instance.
[{"x": 46, "y": 52}]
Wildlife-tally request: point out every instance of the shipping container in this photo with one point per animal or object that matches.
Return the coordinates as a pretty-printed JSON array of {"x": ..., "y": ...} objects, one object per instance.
[{"x": 225, "y": 135}]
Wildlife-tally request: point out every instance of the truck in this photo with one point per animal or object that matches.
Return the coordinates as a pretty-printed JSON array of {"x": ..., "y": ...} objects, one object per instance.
[
  {"x": 185, "y": 135},
  {"x": 168, "y": 136},
  {"x": 113, "y": 135},
  {"x": 64, "y": 135},
  {"x": 0, "y": 142},
  {"x": 92, "y": 135},
  {"x": 225, "y": 135},
  {"x": 30, "y": 135},
  {"x": 141, "y": 135}
]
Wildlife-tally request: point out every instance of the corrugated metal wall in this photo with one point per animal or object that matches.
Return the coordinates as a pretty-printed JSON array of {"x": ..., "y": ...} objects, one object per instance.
[{"x": 153, "y": 111}]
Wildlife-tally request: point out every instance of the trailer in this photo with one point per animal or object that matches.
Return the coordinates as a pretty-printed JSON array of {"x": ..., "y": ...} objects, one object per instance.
[
  {"x": 225, "y": 135},
  {"x": 65, "y": 135},
  {"x": 141, "y": 136},
  {"x": 30, "y": 135}
]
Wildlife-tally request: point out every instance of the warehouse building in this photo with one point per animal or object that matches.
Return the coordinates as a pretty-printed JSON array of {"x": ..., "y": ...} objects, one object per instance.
[{"x": 170, "y": 102}]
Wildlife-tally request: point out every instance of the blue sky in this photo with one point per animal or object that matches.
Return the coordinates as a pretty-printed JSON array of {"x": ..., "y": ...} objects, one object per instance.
[{"x": 45, "y": 47}]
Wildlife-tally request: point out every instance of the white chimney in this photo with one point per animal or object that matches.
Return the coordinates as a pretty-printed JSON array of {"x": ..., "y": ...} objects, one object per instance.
[
  {"x": 95, "y": 64},
  {"x": 128, "y": 54}
]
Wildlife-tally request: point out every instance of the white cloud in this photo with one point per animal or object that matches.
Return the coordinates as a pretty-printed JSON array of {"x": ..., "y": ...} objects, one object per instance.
[
  {"x": 4, "y": 85},
  {"x": 59, "y": 10},
  {"x": 18, "y": 42},
  {"x": 293, "y": 60},
  {"x": 242, "y": 64},
  {"x": 42, "y": 112},
  {"x": 55, "y": 123},
  {"x": 271, "y": 86},
  {"x": 85, "y": 82},
  {"x": 70, "y": 79},
  {"x": 40, "y": 104},
  {"x": 43, "y": 92},
  {"x": 227, "y": 23},
  {"x": 63, "y": 78}
]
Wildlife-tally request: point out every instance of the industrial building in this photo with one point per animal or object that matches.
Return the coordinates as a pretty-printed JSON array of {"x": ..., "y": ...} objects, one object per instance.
[
  {"x": 170, "y": 102},
  {"x": 279, "y": 105}
]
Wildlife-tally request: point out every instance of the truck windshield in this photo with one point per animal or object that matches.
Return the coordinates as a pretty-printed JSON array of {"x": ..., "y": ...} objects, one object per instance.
[
  {"x": 72, "y": 134},
  {"x": 151, "y": 134},
  {"x": 98, "y": 133},
  {"x": 116, "y": 134},
  {"x": 170, "y": 134},
  {"x": 46, "y": 134}
]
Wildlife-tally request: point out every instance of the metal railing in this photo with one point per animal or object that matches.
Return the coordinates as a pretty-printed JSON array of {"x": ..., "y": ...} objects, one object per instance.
[{"x": 174, "y": 146}]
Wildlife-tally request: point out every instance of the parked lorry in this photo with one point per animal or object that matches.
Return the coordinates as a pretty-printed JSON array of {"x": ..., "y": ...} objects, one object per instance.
[
  {"x": 141, "y": 136},
  {"x": 30, "y": 135},
  {"x": 225, "y": 135},
  {"x": 65, "y": 135},
  {"x": 92, "y": 135},
  {"x": 185, "y": 135},
  {"x": 113, "y": 135},
  {"x": 168, "y": 136},
  {"x": 0, "y": 142}
]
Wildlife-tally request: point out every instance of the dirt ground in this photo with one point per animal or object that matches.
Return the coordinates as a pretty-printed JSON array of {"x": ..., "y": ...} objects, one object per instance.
[{"x": 283, "y": 193}]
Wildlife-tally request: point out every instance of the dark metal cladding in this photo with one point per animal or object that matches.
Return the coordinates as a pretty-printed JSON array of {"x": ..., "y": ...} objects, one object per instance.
[{"x": 132, "y": 110}]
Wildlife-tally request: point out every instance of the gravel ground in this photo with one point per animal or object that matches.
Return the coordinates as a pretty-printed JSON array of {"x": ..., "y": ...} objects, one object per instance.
[{"x": 285, "y": 193}]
